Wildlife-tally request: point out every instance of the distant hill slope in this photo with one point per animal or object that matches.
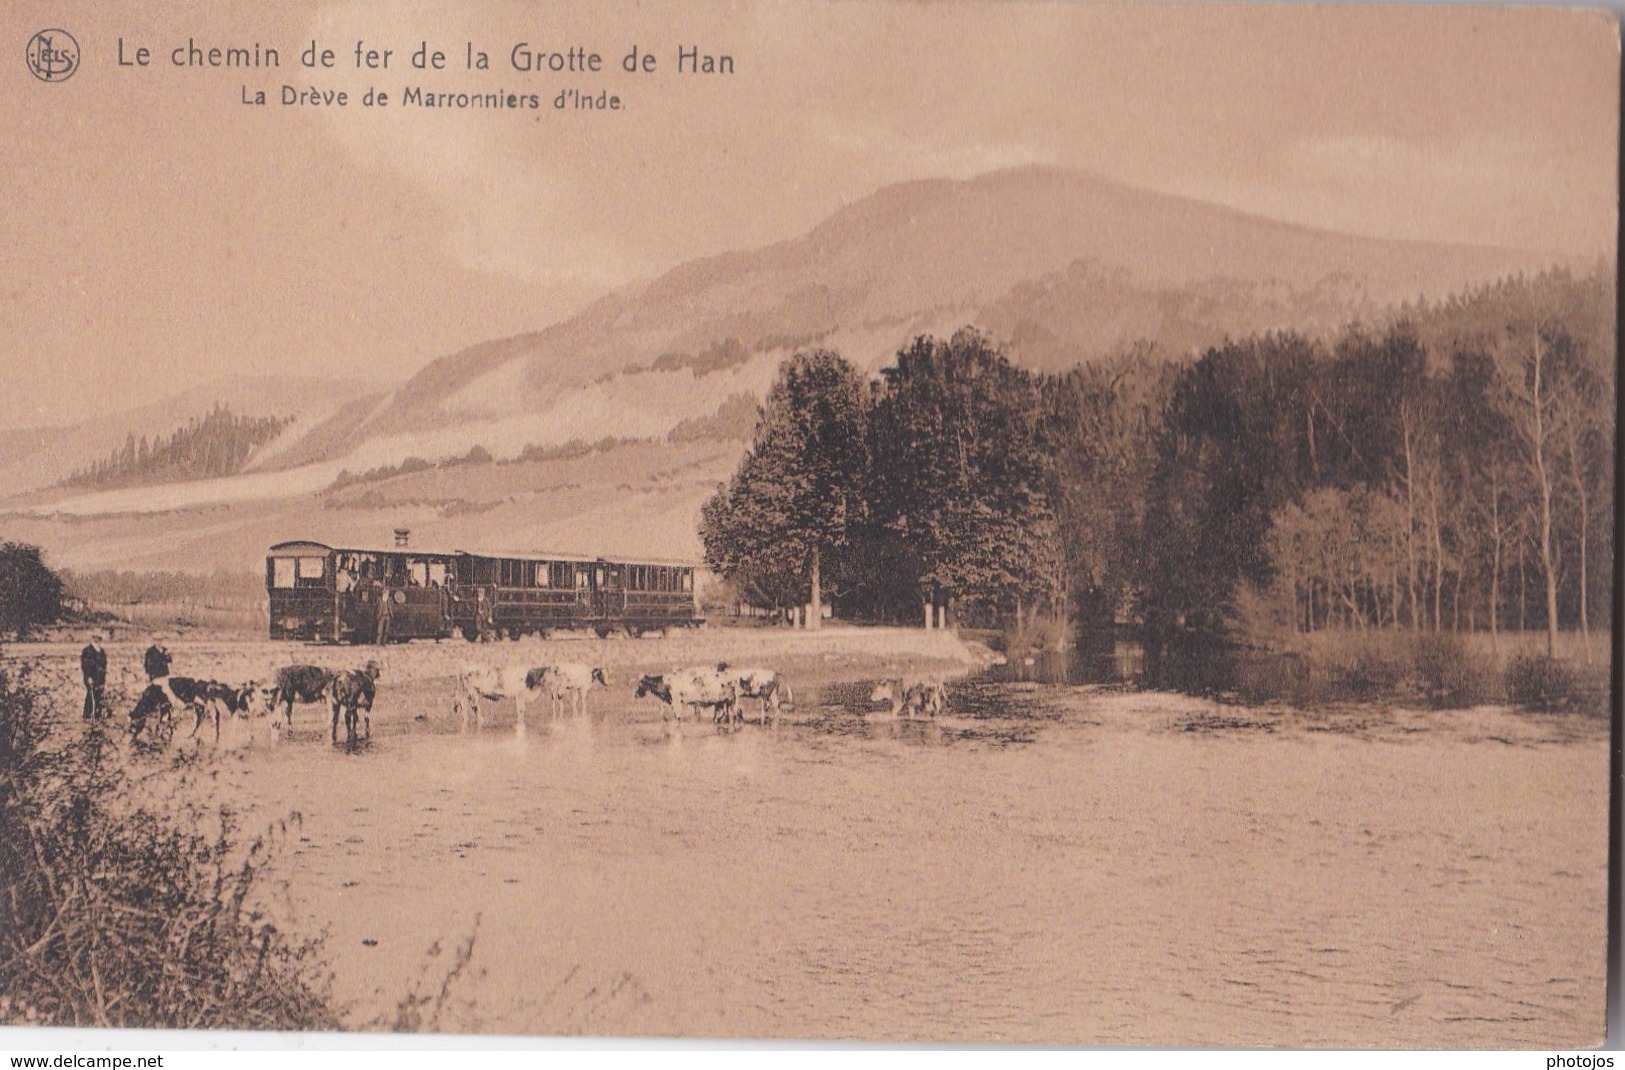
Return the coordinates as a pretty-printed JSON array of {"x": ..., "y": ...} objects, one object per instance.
[
  {"x": 38, "y": 458},
  {"x": 1050, "y": 322}
]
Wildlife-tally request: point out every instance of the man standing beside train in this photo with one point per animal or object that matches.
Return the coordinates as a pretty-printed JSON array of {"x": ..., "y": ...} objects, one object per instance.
[
  {"x": 93, "y": 664},
  {"x": 383, "y": 593}
]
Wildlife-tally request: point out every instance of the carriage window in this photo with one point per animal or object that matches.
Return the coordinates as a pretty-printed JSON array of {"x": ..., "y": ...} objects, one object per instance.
[
  {"x": 542, "y": 575},
  {"x": 688, "y": 581},
  {"x": 418, "y": 573},
  {"x": 437, "y": 574},
  {"x": 581, "y": 579},
  {"x": 282, "y": 571}
]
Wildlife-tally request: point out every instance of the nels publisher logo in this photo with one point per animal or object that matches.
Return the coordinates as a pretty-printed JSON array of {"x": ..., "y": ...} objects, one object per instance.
[{"x": 53, "y": 55}]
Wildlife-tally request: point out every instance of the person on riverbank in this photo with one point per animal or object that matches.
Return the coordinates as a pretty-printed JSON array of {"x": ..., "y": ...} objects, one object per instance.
[
  {"x": 156, "y": 662},
  {"x": 93, "y": 666}
]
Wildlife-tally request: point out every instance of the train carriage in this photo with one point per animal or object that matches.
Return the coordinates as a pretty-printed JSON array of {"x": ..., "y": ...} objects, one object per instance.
[
  {"x": 338, "y": 594},
  {"x": 342, "y": 594},
  {"x": 516, "y": 595},
  {"x": 652, "y": 595}
]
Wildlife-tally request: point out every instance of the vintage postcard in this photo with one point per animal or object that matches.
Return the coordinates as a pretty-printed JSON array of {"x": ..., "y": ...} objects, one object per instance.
[{"x": 1033, "y": 522}]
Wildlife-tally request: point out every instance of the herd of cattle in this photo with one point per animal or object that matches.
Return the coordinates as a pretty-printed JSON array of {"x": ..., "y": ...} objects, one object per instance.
[{"x": 722, "y": 690}]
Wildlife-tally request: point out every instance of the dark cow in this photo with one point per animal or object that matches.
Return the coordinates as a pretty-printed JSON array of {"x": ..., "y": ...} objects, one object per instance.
[
  {"x": 202, "y": 697},
  {"x": 353, "y": 691},
  {"x": 156, "y": 700},
  {"x": 237, "y": 700},
  {"x": 299, "y": 683}
]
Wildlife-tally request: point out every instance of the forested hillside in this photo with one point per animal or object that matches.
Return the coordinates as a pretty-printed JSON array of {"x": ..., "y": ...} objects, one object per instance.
[{"x": 218, "y": 444}]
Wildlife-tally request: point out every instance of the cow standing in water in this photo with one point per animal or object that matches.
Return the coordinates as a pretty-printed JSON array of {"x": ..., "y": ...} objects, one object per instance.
[
  {"x": 477, "y": 684},
  {"x": 237, "y": 700},
  {"x": 353, "y": 692},
  {"x": 696, "y": 689},
  {"x": 298, "y": 683},
  {"x": 925, "y": 697},
  {"x": 204, "y": 698},
  {"x": 766, "y": 685},
  {"x": 568, "y": 680}
]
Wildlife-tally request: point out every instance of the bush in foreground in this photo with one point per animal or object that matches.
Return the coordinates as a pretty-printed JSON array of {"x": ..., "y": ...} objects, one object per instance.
[
  {"x": 116, "y": 914},
  {"x": 30, "y": 593}
]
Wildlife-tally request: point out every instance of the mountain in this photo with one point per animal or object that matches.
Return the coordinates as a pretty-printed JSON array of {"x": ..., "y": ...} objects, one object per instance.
[{"x": 1017, "y": 252}]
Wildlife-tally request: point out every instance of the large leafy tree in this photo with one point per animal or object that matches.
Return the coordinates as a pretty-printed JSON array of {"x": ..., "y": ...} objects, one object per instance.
[
  {"x": 1100, "y": 434},
  {"x": 1237, "y": 443},
  {"x": 961, "y": 476},
  {"x": 797, "y": 498}
]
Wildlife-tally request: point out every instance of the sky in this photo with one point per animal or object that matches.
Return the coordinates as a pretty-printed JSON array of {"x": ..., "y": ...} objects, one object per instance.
[{"x": 161, "y": 232}]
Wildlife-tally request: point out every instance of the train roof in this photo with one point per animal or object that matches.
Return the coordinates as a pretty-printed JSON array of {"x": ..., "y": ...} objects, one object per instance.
[
  {"x": 300, "y": 544},
  {"x": 526, "y": 555},
  {"x": 311, "y": 544},
  {"x": 308, "y": 546},
  {"x": 588, "y": 559}
]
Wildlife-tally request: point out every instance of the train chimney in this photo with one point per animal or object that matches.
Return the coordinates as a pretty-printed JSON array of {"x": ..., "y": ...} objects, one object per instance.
[{"x": 403, "y": 536}]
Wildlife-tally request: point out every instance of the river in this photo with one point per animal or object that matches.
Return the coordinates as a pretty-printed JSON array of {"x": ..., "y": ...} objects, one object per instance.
[{"x": 1052, "y": 864}]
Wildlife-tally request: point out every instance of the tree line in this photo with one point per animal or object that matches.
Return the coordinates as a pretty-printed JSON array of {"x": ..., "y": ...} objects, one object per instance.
[
  {"x": 218, "y": 444},
  {"x": 1451, "y": 470}
]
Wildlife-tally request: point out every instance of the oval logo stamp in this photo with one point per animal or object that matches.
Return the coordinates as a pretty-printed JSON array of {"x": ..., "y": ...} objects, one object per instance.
[{"x": 53, "y": 55}]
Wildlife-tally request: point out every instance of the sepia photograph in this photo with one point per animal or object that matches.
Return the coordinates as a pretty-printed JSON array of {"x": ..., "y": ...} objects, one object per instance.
[{"x": 1018, "y": 523}]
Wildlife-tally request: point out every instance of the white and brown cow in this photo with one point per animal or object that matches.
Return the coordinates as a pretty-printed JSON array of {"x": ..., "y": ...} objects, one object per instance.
[
  {"x": 694, "y": 689},
  {"x": 765, "y": 685},
  {"x": 568, "y": 680}
]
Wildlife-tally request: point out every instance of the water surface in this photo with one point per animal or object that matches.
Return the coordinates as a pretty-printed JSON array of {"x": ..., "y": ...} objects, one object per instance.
[{"x": 1045, "y": 864}]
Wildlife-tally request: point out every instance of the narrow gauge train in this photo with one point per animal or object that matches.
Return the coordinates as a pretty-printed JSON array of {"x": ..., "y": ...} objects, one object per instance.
[{"x": 320, "y": 592}]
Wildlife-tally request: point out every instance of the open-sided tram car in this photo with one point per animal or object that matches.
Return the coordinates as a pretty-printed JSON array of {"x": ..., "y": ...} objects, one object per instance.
[{"x": 320, "y": 592}]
